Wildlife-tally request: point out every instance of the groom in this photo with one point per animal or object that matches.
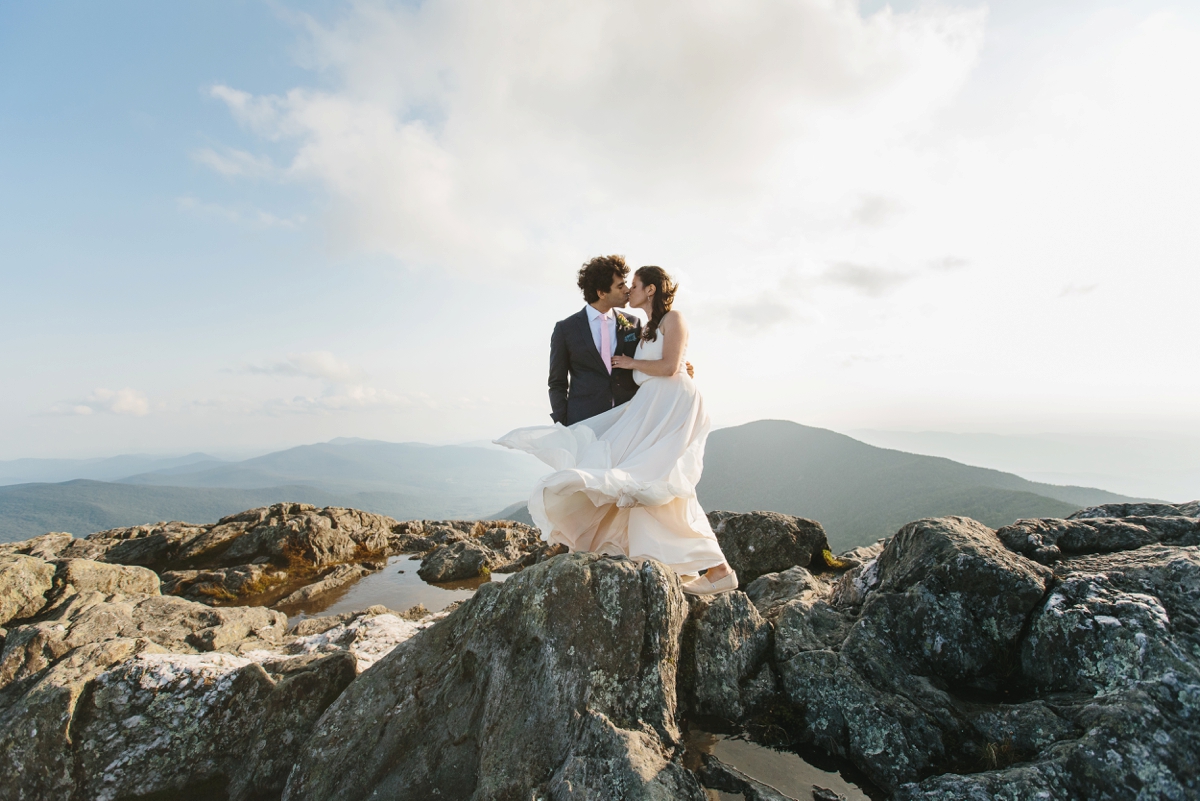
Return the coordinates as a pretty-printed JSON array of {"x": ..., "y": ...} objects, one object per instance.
[{"x": 583, "y": 382}]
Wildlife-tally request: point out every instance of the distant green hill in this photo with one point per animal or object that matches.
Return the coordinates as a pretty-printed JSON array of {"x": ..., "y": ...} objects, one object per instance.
[
  {"x": 52, "y": 471},
  {"x": 492, "y": 476},
  {"x": 861, "y": 493},
  {"x": 82, "y": 507}
]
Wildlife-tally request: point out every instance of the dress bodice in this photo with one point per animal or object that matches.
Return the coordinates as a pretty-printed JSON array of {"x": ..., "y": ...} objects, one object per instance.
[{"x": 650, "y": 351}]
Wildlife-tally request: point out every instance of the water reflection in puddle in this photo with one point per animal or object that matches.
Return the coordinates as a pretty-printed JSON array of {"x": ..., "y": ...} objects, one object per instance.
[
  {"x": 397, "y": 587},
  {"x": 787, "y": 772}
]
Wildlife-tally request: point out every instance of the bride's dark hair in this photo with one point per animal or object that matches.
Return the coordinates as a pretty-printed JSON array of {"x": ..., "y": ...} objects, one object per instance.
[{"x": 664, "y": 296}]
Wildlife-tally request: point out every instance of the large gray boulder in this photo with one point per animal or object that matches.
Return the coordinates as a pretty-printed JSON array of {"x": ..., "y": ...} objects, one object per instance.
[
  {"x": 771, "y": 592},
  {"x": 24, "y": 582},
  {"x": 83, "y": 575},
  {"x": 289, "y": 553},
  {"x": 724, "y": 667},
  {"x": 767, "y": 542},
  {"x": 457, "y": 561},
  {"x": 1047, "y": 541},
  {"x": 112, "y": 696},
  {"x": 247, "y": 555},
  {"x": 161, "y": 723},
  {"x": 951, "y": 599},
  {"x": 124, "y": 719},
  {"x": 170, "y": 623},
  {"x": 46, "y": 547},
  {"x": 1115, "y": 649},
  {"x": 558, "y": 683},
  {"x": 266, "y": 556},
  {"x": 868, "y": 671},
  {"x": 1191, "y": 509},
  {"x": 1118, "y": 620},
  {"x": 36, "y": 718},
  {"x": 286, "y": 533}
]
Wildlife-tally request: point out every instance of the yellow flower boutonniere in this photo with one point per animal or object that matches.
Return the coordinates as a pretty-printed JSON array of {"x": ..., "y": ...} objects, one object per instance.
[{"x": 623, "y": 323}]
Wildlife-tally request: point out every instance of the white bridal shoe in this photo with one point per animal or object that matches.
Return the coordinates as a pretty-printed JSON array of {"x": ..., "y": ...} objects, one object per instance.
[{"x": 702, "y": 586}]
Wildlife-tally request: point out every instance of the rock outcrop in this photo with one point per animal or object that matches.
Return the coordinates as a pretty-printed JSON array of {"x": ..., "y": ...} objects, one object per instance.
[
  {"x": 1048, "y": 541},
  {"x": 766, "y": 542},
  {"x": 247, "y": 555},
  {"x": 558, "y": 683},
  {"x": 45, "y": 547},
  {"x": 1050, "y": 659},
  {"x": 1114, "y": 651},
  {"x": 109, "y": 690},
  {"x": 290, "y": 553},
  {"x": 949, "y": 666},
  {"x": 724, "y": 670},
  {"x": 24, "y": 582},
  {"x": 1119, "y": 510},
  {"x": 488, "y": 547}
]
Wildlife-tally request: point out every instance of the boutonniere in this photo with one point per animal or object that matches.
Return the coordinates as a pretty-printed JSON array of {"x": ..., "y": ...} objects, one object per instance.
[{"x": 623, "y": 323}]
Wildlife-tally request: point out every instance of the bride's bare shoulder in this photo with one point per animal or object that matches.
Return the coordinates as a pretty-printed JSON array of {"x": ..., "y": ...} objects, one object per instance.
[{"x": 674, "y": 319}]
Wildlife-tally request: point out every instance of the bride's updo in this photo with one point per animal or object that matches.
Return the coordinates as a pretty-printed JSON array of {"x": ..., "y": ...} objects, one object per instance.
[{"x": 664, "y": 296}]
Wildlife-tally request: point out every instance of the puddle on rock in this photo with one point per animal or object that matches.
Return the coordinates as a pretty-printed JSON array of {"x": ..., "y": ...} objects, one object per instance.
[
  {"x": 390, "y": 587},
  {"x": 785, "y": 771}
]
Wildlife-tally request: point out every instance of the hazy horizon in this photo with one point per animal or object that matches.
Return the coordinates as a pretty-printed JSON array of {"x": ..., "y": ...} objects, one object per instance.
[
  {"x": 232, "y": 226},
  {"x": 1166, "y": 467}
]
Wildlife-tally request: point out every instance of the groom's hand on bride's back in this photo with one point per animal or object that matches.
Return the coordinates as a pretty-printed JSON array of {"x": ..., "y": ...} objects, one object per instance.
[{"x": 691, "y": 372}]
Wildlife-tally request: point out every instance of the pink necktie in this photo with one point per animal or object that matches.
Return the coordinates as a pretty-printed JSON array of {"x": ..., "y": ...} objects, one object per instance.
[{"x": 605, "y": 344}]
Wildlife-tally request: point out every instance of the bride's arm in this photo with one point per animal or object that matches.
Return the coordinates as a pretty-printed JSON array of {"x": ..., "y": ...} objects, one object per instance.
[{"x": 674, "y": 331}]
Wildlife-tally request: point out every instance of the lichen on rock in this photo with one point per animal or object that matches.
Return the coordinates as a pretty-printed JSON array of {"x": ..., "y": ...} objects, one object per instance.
[{"x": 560, "y": 681}]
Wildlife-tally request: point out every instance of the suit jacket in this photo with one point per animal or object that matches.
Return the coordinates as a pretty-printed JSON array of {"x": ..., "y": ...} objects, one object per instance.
[{"x": 580, "y": 385}]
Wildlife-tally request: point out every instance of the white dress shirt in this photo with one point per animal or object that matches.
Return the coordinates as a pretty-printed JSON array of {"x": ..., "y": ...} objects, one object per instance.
[{"x": 594, "y": 318}]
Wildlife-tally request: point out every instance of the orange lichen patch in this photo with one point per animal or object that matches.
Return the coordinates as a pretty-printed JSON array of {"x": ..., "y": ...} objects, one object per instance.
[{"x": 834, "y": 562}]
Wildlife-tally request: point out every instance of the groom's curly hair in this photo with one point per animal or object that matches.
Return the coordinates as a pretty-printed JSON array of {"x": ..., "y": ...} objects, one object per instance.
[{"x": 597, "y": 276}]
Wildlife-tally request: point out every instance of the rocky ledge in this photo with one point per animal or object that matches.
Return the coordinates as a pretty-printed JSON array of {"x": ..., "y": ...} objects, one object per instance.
[
  {"x": 1050, "y": 659},
  {"x": 290, "y": 553}
]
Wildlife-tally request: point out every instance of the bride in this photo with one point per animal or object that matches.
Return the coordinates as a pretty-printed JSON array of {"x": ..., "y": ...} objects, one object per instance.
[{"x": 625, "y": 480}]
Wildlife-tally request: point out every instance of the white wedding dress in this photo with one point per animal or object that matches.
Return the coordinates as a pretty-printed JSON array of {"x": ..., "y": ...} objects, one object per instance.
[{"x": 625, "y": 480}]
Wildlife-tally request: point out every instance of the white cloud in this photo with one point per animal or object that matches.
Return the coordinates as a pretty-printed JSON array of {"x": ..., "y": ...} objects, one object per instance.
[
  {"x": 320, "y": 364},
  {"x": 256, "y": 218},
  {"x": 865, "y": 279},
  {"x": 874, "y": 211},
  {"x": 235, "y": 162},
  {"x": 484, "y": 133},
  {"x": 126, "y": 401},
  {"x": 802, "y": 167},
  {"x": 359, "y": 397},
  {"x": 345, "y": 387}
]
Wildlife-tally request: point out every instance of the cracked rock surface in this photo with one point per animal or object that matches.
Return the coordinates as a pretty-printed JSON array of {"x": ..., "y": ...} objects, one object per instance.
[
  {"x": 1049, "y": 659},
  {"x": 559, "y": 682},
  {"x": 109, "y": 690}
]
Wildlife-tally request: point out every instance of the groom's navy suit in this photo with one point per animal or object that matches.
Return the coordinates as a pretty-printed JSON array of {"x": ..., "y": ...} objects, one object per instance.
[{"x": 580, "y": 386}]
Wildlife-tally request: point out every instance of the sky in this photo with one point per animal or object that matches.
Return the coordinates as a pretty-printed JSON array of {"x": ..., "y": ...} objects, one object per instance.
[{"x": 238, "y": 225}]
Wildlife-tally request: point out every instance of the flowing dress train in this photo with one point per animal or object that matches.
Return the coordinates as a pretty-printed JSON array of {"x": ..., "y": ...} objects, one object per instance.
[{"x": 625, "y": 480}]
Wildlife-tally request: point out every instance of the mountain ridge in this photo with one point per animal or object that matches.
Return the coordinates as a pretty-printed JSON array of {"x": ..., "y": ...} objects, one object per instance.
[{"x": 859, "y": 492}]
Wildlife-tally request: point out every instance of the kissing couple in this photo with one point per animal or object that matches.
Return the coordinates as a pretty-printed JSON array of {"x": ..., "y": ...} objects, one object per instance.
[{"x": 627, "y": 444}]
